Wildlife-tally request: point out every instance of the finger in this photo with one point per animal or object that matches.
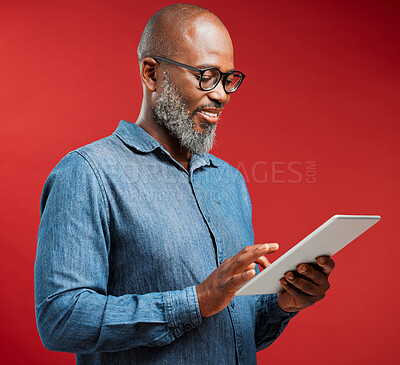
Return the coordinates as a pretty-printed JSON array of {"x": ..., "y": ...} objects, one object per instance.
[
  {"x": 302, "y": 299},
  {"x": 250, "y": 267},
  {"x": 250, "y": 254},
  {"x": 326, "y": 263},
  {"x": 263, "y": 262},
  {"x": 273, "y": 246},
  {"x": 304, "y": 285},
  {"x": 315, "y": 275},
  {"x": 239, "y": 279},
  {"x": 291, "y": 289}
]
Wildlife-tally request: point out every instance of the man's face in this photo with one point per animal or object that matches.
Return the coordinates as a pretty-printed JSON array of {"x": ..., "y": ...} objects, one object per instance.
[{"x": 205, "y": 44}]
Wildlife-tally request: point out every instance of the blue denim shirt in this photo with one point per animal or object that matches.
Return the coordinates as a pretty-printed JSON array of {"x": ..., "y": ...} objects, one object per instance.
[{"x": 126, "y": 234}]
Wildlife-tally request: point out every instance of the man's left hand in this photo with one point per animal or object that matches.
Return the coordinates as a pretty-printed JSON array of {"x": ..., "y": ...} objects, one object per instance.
[{"x": 305, "y": 286}]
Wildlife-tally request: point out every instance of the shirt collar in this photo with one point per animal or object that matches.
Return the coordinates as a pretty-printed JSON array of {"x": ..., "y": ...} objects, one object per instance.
[{"x": 137, "y": 138}]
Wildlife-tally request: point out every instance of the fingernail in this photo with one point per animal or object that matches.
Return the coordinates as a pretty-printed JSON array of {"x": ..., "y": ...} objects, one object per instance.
[
  {"x": 273, "y": 246},
  {"x": 302, "y": 269},
  {"x": 290, "y": 276},
  {"x": 321, "y": 261}
]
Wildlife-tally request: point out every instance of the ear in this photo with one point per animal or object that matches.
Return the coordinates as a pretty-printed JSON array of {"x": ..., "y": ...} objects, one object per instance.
[{"x": 149, "y": 73}]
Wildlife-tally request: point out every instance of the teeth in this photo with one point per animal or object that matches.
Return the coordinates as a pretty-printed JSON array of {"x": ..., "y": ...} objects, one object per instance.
[{"x": 210, "y": 114}]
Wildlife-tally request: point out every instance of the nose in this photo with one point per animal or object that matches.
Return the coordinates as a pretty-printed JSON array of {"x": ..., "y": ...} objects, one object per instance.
[{"x": 219, "y": 94}]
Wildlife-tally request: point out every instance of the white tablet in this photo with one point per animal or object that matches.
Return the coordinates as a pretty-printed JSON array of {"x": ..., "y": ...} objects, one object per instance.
[{"x": 326, "y": 240}]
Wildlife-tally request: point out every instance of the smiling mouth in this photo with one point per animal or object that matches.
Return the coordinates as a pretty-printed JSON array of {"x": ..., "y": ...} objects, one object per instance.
[{"x": 211, "y": 117}]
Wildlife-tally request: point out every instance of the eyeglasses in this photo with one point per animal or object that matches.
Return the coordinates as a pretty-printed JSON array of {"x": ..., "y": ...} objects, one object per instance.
[{"x": 210, "y": 77}]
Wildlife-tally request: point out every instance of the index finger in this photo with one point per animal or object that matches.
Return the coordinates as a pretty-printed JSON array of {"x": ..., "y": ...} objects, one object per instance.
[{"x": 250, "y": 254}]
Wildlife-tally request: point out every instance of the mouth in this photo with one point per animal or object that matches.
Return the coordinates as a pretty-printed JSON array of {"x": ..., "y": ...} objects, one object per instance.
[{"x": 210, "y": 116}]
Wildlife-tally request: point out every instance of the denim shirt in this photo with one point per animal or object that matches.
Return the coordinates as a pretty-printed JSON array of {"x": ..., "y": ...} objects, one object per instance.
[{"x": 126, "y": 234}]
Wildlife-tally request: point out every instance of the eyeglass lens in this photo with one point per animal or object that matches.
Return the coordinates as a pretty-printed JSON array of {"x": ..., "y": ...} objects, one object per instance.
[
  {"x": 211, "y": 77},
  {"x": 232, "y": 81}
]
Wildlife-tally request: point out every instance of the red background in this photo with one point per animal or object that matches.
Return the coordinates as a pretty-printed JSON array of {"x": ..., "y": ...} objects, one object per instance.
[{"x": 322, "y": 85}]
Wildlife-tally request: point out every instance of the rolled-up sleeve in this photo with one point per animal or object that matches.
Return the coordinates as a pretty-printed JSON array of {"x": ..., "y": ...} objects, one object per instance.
[{"x": 73, "y": 309}]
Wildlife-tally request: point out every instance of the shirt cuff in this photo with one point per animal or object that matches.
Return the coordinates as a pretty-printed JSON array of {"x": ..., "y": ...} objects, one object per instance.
[{"x": 182, "y": 310}]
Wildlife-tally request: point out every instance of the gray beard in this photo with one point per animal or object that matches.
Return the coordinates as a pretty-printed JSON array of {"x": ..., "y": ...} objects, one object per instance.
[{"x": 171, "y": 112}]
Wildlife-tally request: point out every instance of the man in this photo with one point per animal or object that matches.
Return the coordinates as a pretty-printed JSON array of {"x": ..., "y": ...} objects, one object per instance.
[{"x": 145, "y": 237}]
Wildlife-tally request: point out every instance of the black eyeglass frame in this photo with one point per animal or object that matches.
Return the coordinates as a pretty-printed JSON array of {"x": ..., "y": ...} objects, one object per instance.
[{"x": 222, "y": 75}]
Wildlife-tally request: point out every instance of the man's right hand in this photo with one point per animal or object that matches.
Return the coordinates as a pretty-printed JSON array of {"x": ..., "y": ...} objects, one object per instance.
[{"x": 216, "y": 292}]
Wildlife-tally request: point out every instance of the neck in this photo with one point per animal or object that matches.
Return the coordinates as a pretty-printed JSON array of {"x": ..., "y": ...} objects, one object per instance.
[{"x": 169, "y": 142}]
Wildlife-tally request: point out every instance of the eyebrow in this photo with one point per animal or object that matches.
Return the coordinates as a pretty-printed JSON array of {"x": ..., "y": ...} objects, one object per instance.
[{"x": 208, "y": 65}]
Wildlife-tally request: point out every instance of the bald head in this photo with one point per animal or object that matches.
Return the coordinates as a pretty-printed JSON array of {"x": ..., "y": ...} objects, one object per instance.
[{"x": 167, "y": 29}]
